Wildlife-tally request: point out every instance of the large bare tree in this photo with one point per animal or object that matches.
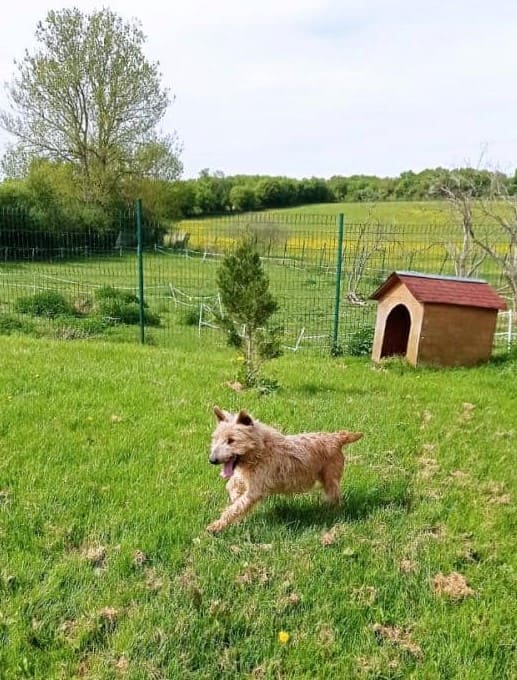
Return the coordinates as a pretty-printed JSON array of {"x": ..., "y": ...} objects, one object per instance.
[
  {"x": 501, "y": 209},
  {"x": 462, "y": 192},
  {"x": 89, "y": 96},
  {"x": 492, "y": 232}
]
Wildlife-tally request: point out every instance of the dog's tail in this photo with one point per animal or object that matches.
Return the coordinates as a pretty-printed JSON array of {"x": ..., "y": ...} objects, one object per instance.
[{"x": 346, "y": 437}]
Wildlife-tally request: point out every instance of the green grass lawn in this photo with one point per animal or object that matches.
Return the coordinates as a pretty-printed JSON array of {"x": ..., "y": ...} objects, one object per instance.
[{"x": 106, "y": 570}]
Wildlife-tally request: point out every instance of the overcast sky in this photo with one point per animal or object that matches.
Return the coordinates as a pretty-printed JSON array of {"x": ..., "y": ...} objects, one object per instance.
[{"x": 321, "y": 87}]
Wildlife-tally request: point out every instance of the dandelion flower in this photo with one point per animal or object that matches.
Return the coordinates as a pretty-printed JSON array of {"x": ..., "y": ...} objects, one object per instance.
[{"x": 283, "y": 637}]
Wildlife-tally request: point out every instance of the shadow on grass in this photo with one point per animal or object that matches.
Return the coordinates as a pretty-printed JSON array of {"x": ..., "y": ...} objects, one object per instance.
[
  {"x": 313, "y": 388},
  {"x": 359, "y": 502}
]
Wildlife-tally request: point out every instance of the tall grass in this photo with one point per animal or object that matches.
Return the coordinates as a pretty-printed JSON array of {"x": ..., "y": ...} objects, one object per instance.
[{"x": 105, "y": 490}]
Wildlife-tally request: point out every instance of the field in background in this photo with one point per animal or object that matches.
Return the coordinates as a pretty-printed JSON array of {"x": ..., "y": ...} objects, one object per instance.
[
  {"x": 390, "y": 213},
  {"x": 300, "y": 254},
  {"x": 105, "y": 490}
]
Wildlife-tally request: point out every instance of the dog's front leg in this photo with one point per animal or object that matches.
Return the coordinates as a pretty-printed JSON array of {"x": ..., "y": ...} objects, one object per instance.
[
  {"x": 236, "y": 487},
  {"x": 233, "y": 512}
]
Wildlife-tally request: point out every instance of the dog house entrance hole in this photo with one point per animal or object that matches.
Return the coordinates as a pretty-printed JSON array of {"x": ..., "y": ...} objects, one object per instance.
[{"x": 396, "y": 332}]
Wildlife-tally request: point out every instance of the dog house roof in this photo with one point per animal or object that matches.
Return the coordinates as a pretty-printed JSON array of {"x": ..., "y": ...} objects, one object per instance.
[{"x": 446, "y": 290}]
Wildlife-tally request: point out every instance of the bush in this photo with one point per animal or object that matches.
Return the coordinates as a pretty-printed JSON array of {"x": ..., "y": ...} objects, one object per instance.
[
  {"x": 191, "y": 317},
  {"x": 110, "y": 293},
  {"x": 361, "y": 342},
  {"x": 11, "y": 324},
  {"x": 120, "y": 306},
  {"x": 47, "y": 303}
]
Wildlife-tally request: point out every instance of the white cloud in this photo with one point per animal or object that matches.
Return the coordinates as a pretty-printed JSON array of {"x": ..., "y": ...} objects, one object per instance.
[{"x": 304, "y": 87}]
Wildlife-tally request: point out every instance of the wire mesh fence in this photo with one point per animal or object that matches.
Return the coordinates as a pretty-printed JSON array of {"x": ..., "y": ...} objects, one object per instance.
[{"x": 323, "y": 290}]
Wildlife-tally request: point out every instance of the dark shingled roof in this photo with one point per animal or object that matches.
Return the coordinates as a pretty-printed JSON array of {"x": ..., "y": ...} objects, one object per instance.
[{"x": 445, "y": 290}]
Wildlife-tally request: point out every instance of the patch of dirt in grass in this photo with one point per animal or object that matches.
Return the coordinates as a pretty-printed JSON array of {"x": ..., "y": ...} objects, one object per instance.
[
  {"x": 436, "y": 531},
  {"x": 453, "y": 585},
  {"x": 433, "y": 494},
  {"x": 95, "y": 555},
  {"x": 108, "y": 618},
  {"x": 90, "y": 630},
  {"x": 188, "y": 580},
  {"x": 83, "y": 669},
  {"x": 122, "y": 665},
  {"x": 425, "y": 418},
  {"x": 139, "y": 558},
  {"x": 407, "y": 566},
  {"x": 467, "y": 411},
  {"x": 428, "y": 467},
  {"x": 377, "y": 667},
  {"x": 288, "y": 602},
  {"x": 460, "y": 477},
  {"x": 365, "y": 596},
  {"x": 326, "y": 635},
  {"x": 497, "y": 494},
  {"x": 263, "y": 547},
  {"x": 236, "y": 386},
  {"x": 219, "y": 608},
  {"x": 252, "y": 574},
  {"x": 153, "y": 581},
  {"x": 399, "y": 637}
]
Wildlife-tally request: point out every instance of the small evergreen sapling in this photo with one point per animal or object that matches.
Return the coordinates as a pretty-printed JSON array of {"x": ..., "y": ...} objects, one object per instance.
[{"x": 248, "y": 305}]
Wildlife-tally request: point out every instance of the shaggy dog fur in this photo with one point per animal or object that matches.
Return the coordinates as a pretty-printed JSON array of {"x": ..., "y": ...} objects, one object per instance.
[{"x": 259, "y": 461}]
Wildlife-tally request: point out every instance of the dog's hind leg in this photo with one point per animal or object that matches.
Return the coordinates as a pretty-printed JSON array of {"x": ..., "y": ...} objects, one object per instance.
[{"x": 330, "y": 478}]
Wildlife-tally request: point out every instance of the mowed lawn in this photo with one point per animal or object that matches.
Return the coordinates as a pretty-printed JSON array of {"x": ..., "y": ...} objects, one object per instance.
[{"x": 106, "y": 570}]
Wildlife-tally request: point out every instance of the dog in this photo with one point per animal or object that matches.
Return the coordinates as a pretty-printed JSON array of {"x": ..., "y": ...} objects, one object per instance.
[{"x": 259, "y": 461}]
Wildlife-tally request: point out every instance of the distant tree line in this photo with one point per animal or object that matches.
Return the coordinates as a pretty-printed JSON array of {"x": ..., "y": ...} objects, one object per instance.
[{"x": 50, "y": 193}]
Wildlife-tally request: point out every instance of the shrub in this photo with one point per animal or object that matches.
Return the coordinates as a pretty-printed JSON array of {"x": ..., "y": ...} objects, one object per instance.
[
  {"x": 191, "y": 317},
  {"x": 361, "y": 342},
  {"x": 120, "y": 306},
  {"x": 248, "y": 303},
  {"x": 110, "y": 293},
  {"x": 47, "y": 303},
  {"x": 11, "y": 324}
]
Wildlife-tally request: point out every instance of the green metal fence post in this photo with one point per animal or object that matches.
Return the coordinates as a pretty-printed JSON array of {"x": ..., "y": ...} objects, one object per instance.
[
  {"x": 139, "y": 254},
  {"x": 335, "y": 349}
]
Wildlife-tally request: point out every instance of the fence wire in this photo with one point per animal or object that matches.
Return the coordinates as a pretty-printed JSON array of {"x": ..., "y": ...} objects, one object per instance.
[{"x": 299, "y": 253}]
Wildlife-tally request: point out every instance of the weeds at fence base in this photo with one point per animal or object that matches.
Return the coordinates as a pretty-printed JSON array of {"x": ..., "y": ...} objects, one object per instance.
[
  {"x": 361, "y": 342},
  {"x": 11, "y": 324},
  {"x": 81, "y": 318},
  {"x": 46, "y": 303}
]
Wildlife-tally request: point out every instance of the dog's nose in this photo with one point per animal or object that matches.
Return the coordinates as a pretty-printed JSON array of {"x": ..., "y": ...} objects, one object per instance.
[{"x": 213, "y": 459}]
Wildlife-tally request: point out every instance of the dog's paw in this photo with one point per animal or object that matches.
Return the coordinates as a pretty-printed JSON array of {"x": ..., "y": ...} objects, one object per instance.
[{"x": 215, "y": 527}]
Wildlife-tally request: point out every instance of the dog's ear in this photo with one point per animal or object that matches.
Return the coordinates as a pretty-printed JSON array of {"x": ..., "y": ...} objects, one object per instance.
[
  {"x": 244, "y": 418},
  {"x": 220, "y": 414}
]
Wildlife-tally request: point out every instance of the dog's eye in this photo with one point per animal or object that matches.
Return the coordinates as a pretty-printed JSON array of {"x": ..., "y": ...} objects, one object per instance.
[{"x": 230, "y": 440}]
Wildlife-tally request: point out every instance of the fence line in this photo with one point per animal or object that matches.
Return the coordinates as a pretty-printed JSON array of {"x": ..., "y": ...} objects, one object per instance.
[{"x": 322, "y": 276}]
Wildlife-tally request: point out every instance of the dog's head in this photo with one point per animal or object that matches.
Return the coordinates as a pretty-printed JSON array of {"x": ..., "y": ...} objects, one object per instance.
[{"x": 234, "y": 439}]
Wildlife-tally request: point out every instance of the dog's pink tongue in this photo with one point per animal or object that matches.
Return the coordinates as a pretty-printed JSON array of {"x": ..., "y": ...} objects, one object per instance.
[{"x": 227, "y": 470}]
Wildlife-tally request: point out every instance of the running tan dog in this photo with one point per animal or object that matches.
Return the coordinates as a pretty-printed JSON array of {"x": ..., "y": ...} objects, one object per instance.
[{"x": 259, "y": 461}]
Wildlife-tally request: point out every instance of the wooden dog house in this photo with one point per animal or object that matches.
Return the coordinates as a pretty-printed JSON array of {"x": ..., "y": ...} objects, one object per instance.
[{"x": 443, "y": 320}]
